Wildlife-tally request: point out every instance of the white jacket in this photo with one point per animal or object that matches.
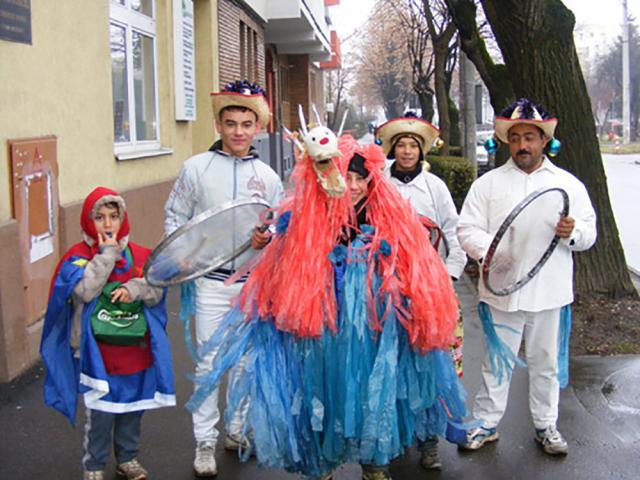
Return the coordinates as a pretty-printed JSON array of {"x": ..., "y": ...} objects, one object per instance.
[
  {"x": 429, "y": 195},
  {"x": 488, "y": 203},
  {"x": 213, "y": 178}
]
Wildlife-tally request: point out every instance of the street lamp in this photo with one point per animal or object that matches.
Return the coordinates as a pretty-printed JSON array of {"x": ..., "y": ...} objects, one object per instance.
[{"x": 626, "y": 79}]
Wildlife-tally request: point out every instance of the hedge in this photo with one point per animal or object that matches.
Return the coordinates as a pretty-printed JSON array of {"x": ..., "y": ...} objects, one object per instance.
[{"x": 457, "y": 172}]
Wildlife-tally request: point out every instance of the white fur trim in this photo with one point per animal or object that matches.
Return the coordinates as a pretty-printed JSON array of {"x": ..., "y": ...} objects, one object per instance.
[{"x": 122, "y": 206}]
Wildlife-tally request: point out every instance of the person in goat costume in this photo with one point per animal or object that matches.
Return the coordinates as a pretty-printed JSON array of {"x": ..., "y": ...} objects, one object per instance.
[{"x": 347, "y": 316}]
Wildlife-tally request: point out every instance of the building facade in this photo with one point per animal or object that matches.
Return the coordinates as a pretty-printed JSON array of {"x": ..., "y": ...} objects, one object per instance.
[
  {"x": 117, "y": 94},
  {"x": 91, "y": 100}
]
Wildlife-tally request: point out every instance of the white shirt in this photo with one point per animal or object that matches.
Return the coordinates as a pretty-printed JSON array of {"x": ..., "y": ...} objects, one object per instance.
[
  {"x": 430, "y": 197},
  {"x": 488, "y": 203}
]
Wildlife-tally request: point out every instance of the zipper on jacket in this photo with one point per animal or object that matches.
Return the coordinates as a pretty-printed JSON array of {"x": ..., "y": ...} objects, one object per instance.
[{"x": 235, "y": 193}]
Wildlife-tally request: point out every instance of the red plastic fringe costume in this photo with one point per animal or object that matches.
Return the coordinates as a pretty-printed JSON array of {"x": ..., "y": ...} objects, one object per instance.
[{"x": 293, "y": 281}]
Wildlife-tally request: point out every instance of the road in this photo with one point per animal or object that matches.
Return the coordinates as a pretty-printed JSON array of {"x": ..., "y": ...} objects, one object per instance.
[
  {"x": 601, "y": 423},
  {"x": 37, "y": 442},
  {"x": 623, "y": 180}
]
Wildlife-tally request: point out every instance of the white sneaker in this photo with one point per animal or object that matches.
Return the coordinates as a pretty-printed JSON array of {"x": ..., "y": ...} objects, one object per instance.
[
  {"x": 205, "y": 462},
  {"x": 552, "y": 441}
]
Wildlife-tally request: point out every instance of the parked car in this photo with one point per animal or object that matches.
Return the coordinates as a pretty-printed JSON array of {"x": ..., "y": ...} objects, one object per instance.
[{"x": 485, "y": 160}]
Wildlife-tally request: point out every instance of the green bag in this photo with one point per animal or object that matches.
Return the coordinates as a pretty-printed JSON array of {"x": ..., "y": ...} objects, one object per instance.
[{"x": 117, "y": 323}]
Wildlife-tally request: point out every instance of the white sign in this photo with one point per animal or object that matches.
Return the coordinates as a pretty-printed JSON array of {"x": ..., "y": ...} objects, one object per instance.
[{"x": 184, "y": 59}]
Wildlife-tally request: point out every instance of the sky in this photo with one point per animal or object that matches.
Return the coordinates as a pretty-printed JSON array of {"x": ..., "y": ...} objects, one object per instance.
[{"x": 350, "y": 14}]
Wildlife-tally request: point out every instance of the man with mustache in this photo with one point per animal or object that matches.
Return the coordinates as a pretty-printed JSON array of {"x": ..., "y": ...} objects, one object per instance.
[{"x": 539, "y": 310}]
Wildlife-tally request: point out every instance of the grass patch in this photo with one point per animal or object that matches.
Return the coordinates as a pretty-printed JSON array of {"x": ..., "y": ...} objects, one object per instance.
[
  {"x": 624, "y": 149},
  {"x": 625, "y": 347}
]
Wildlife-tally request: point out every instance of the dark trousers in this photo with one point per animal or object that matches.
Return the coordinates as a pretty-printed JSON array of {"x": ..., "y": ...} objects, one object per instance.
[
  {"x": 99, "y": 430},
  {"x": 429, "y": 442}
]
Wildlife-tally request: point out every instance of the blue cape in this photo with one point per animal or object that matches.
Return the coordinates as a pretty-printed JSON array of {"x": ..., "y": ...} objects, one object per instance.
[{"x": 68, "y": 375}]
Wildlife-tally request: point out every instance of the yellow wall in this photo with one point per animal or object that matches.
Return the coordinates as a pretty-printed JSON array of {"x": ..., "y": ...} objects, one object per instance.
[
  {"x": 207, "y": 72},
  {"x": 61, "y": 85}
]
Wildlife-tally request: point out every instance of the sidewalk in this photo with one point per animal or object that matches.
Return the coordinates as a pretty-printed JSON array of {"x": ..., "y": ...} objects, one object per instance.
[{"x": 603, "y": 429}]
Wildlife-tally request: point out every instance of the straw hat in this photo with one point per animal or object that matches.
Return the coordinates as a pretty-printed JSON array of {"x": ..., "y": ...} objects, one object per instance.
[
  {"x": 242, "y": 94},
  {"x": 524, "y": 111},
  {"x": 421, "y": 130}
]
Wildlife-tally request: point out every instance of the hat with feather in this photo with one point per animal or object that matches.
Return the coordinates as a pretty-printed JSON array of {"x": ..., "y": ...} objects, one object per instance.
[
  {"x": 244, "y": 94},
  {"x": 524, "y": 111}
]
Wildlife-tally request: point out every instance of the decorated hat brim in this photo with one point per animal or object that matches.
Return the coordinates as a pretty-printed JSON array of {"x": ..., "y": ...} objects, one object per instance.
[
  {"x": 390, "y": 131},
  {"x": 256, "y": 103},
  {"x": 503, "y": 125}
]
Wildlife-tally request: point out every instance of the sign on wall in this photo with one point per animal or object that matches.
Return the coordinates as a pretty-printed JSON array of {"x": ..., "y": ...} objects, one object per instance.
[
  {"x": 15, "y": 20},
  {"x": 35, "y": 198},
  {"x": 184, "y": 59}
]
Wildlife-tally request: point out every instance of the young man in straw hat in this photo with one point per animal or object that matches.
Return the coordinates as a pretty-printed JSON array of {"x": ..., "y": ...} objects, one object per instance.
[
  {"x": 406, "y": 141},
  {"x": 539, "y": 311},
  {"x": 229, "y": 170}
]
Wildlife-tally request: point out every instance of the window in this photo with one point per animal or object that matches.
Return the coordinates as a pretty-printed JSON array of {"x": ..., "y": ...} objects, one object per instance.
[
  {"x": 248, "y": 53},
  {"x": 243, "y": 51},
  {"x": 133, "y": 76}
]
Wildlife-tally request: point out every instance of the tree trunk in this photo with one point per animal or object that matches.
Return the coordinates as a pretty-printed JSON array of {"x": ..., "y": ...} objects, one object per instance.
[
  {"x": 536, "y": 40},
  {"x": 391, "y": 109},
  {"x": 440, "y": 42},
  {"x": 455, "y": 136},
  {"x": 426, "y": 104},
  {"x": 442, "y": 100}
]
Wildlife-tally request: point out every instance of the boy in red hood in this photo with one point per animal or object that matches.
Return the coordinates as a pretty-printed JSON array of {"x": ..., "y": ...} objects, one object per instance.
[{"x": 118, "y": 381}]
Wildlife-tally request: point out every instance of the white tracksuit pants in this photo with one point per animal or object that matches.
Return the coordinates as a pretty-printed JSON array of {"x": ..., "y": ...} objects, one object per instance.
[
  {"x": 540, "y": 331},
  {"x": 213, "y": 301}
]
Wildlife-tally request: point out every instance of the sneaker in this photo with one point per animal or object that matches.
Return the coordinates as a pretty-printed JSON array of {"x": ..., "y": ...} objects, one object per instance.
[
  {"x": 233, "y": 441},
  {"x": 478, "y": 437},
  {"x": 429, "y": 457},
  {"x": 93, "y": 475},
  {"x": 375, "y": 472},
  {"x": 552, "y": 441},
  {"x": 205, "y": 462},
  {"x": 131, "y": 470}
]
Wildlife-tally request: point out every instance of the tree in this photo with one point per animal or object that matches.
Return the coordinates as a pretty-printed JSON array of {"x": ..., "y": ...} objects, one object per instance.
[
  {"x": 382, "y": 64},
  {"x": 494, "y": 75},
  {"x": 609, "y": 77},
  {"x": 442, "y": 30},
  {"x": 472, "y": 34},
  {"x": 536, "y": 41},
  {"x": 433, "y": 51},
  {"x": 420, "y": 52},
  {"x": 336, "y": 92}
]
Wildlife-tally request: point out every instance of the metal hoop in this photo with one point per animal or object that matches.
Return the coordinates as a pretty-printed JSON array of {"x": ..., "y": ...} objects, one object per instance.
[
  {"x": 503, "y": 228},
  {"x": 221, "y": 260}
]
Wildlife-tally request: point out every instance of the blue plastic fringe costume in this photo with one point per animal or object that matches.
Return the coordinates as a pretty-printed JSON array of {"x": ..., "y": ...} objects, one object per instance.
[{"x": 354, "y": 396}]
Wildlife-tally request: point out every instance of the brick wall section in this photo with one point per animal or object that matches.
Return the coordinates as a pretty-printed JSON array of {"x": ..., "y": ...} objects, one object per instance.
[
  {"x": 299, "y": 85},
  {"x": 230, "y": 14}
]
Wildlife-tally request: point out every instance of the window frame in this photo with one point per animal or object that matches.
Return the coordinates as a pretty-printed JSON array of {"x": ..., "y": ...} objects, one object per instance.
[{"x": 123, "y": 16}]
